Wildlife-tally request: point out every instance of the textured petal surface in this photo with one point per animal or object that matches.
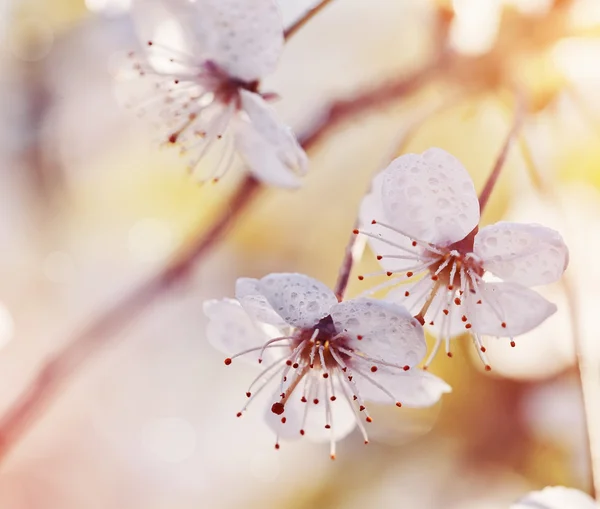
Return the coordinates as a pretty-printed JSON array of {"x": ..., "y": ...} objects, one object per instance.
[
  {"x": 243, "y": 37},
  {"x": 528, "y": 254},
  {"x": 414, "y": 388},
  {"x": 518, "y": 307},
  {"x": 556, "y": 498},
  {"x": 300, "y": 300},
  {"x": 342, "y": 420},
  {"x": 371, "y": 208},
  {"x": 231, "y": 330},
  {"x": 389, "y": 332},
  {"x": 430, "y": 197},
  {"x": 269, "y": 147},
  {"x": 248, "y": 293}
]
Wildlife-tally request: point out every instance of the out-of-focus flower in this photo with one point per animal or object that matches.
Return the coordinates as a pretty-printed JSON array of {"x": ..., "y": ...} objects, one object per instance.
[
  {"x": 556, "y": 497},
  {"x": 205, "y": 84},
  {"x": 358, "y": 350},
  {"x": 422, "y": 218}
]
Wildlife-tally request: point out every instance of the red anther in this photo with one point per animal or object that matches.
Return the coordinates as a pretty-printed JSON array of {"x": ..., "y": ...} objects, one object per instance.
[
  {"x": 150, "y": 43},
  {"x": 325, "y": 375},
  {"x": 373, "y": 369},
  {"x": 282, "y": 395},
  {"x": 332, "y": 456},
  {"x": 303, "y": 399},
  {"x": 239, "y": 414},
  {"x": 295, "y": 365},
  {"x": 389, "y": 273},
  {"x": 479, "y": 301},
  {"x": 398, "y": 404},
  {"x": 414, "y": 243},
  {"x": 460, "y": 292},
  {"x": 431, "y": 323},
  {"x": 464, "y": 318},
  {"x": 445, "y": 311},
  {"x": 356, "y": 232},
  {"x": 513, "y": 344},
  {"x": 406, "y": 368},
  {"x": 278, "y": 408},
  {"x": 350, "y": 378},
  {"x": 449, "y": 354},
  {"x": 327, "y": 426},
  {"x": 285, "y": 378},
  {"x": 283, "y": 420},
  {"x": 333, "y": 398},
  {"x": 450, "y": 287},
  {"x": 409, "y": 274},
  {"x": 354, "y": 397},
  {"x": 482, "y": 349},
  {"x": 344, "y": 369},
  {"x": 366, "y": 442},
  {"x": 215, "y": 180},
  {"x": 316, "y": 401},
  {"x": 312, "y": 366},
  {"x": 425, "y": 368},
  {"x": 288, "y": 362},
  {"x": 260, "y": 361},
  {"x": 379, "y": 257},
  {"x": 373, "y": 222},
  {"x": 302, "y": 432},
  {"x": 173, "y": 138},
  {"x": 359, "y": 337},
  {"x": 468, "y": 326},
  {"x": 488, "y": 367},
  {"x": 248, "y": 394},
  {"x": 227, "y": 361},
  {"x": 406, "y": 293},
  {"x": 504, "y": 325},
  {"x": 457, "y": 301},
  {"x": 434, "y": 278},
  {"x": 360, "y": 278},
  {"x": 361, "y": 408},
  {"x": 277, "y": 446},
  {"x": 368, "y": 419}
]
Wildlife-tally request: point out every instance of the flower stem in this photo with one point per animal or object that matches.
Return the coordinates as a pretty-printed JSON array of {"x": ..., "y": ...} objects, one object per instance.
[
  {"x": 305, "y": 18},
  {"x": 59, "y": 369},
  {"x": 519, "y": 117}
]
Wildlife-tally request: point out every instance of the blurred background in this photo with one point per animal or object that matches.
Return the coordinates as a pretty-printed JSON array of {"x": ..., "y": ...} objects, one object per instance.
[{"x": 90, "y": 205}]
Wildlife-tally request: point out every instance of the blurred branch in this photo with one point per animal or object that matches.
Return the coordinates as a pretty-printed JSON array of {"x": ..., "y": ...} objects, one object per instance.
[
  {"x": 305, "y": 18},
  {"x": 56, "y": 372},
  {"x": 519, "y": 117}
]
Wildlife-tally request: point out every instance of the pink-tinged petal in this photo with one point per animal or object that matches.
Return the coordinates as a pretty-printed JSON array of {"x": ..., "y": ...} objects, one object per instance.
[
  {"x": 413, "y": 388},
  {"x": 269, "y": 147},
  {"x": 528, "y": 254},
  {"x": 342, "y": 420},
  {"x": 450, "y": 324},
  {"x": 556, "y": 497},
  {"x": 248, "y": 293},
  {"x": 430, "y": 197},
  {"x": 231, "y": 330},
  {"x": 300, "y": 300},
  {"x": 371, "y": 209},
  {"x": 380, "y": 330},
  {"x": 507, "y": 309}
]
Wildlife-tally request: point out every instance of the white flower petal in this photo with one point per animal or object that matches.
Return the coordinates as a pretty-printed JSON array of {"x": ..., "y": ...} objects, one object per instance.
[
  {"x": 300, "y": 300},
  {"x": 441, "y": 301},
  {"x": 388, "y": 330},
  {"x": 342, "y": 419},
  {"x": 528, "y": 254},
  {"x": 248, "y": 292},
  {"x": 269, "y": 147},
  {"x": 414, "y": 388},
  {"x": 430, "y": 196},
  {"x": 371, "y": 208},
  {"x": 231, "y": 330},
  {"x": 556, "y": 497},
  {"x": 518, "y": 307}
]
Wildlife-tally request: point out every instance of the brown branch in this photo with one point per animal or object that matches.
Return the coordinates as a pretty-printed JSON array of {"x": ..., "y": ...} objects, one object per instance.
[
  {"x": 30, "y": 405},
  {"x": 490, "y": 183},
  {"x": 305, "y": 18}
]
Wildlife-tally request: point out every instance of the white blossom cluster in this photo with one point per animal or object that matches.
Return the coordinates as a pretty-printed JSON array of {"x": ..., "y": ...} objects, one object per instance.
[{"x": 323, "y": 360}]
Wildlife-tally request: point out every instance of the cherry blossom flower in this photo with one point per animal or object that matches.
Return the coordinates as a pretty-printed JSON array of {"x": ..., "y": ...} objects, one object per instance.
[
  {"x": 421, "y": 219},
  {"x": 205, "y": 91},
  {"x": 324, "y": 357},
  {"x": 556, "y": 497}
]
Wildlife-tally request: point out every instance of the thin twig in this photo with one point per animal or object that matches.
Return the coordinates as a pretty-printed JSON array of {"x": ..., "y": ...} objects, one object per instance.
[
  {"x": 305, "y": 18},
  {"x": 56, "y": 372},
  {"x": 501, "y": 159}
]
